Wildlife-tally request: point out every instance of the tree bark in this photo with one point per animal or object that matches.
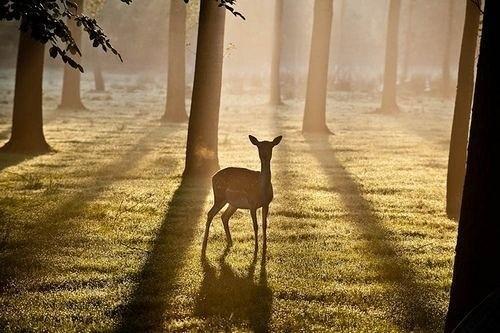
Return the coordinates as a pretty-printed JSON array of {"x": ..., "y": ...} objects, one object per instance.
[
  {"x": 27, "y": 118},
  {"x": 71, "y": 99},
  {"x": 175, "y": 109},
  {"x": 315, "y": 109},
  {"x": 461, "y": 116},
  {"x": 476, "y": 272},
  {"x": 201, "y": 152},
  {"x": 389, "y": 103},
  {"x": 275, "y": 98},
  {"x": 408, "y": 41},
  {"x": 445, "y": 79}
]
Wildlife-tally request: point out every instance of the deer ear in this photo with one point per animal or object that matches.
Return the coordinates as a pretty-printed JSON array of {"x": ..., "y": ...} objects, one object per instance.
[
  {"x": 277, "y": 140},
  {"x": 253, "y": 140}
]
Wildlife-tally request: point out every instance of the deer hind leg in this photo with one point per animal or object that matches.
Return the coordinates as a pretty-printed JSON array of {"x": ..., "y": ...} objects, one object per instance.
[
  {"x": 218, "y": 205},
  {"x": 230, "y": 210},
  {"x": 253, "y": 212}
]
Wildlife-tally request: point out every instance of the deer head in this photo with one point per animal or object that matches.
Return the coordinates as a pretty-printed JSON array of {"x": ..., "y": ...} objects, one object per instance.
[{"x": 265, "y": 147}]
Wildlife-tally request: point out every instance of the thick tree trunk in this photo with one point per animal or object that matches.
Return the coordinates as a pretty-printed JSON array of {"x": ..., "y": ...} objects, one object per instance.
[
  {"x": 27, "y": 119},
  {"x": 445, "y": 79},
  {"x": 201, "y": 152},
  {"x": 315, "y": 109},
  {"x": 275, "y": 98},
  {"x": 175, "y": 110},
  {"x": 408, "y": 41},
  {"x": 71, "y": 79},
  {"x": 461, "y": 116},
  {"x": 98, "y": 77},
  {"x": 389, "y": 104},
  {"x": 476, "y": 272}
]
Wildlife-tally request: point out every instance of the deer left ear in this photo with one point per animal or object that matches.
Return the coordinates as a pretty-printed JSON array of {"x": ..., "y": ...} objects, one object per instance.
[
  {"x": 253, "y": 140},
  {"x": 277, "y": 140}
]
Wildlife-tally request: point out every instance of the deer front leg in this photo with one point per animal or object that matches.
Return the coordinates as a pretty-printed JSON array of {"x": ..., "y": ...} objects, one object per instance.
[
  {"x": 253, "y": 212},
  {"x": 265, "y": 212}
]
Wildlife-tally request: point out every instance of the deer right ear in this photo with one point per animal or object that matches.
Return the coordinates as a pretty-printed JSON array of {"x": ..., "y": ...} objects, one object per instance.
[{"x": 253, "y": 140}]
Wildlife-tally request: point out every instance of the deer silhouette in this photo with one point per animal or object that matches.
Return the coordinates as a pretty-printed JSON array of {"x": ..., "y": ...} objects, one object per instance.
[{"x": 244, "y": 189}]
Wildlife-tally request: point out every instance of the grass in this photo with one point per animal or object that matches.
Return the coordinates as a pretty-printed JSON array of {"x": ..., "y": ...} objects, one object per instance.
[{"x": 104, "y": 235}]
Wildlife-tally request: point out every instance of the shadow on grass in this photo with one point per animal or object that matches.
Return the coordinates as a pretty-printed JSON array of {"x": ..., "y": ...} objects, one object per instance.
[
  {"x": 229, "y": 297},
  {"x": 412, "y": 304},
  {"x": 8, "y": 160},
  {"x": 28, "y": 257},
  {"x": 151, "y": 297}
]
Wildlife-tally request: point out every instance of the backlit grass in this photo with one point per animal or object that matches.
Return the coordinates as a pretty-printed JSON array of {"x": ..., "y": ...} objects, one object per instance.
[{"x": 104, "y": 235}]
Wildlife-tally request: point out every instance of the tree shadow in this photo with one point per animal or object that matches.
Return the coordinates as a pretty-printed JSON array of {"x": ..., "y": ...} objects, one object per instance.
[
  {"x": 7, "y": 160},
  {"x": 413, "y": 305},
  {"x": 21, "y": 259},
  {"x": 151, "y": 297},
  {"x": 229, "y": 297}
]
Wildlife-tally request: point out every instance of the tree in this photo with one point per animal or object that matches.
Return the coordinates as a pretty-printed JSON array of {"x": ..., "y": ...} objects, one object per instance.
[
  {"x": 94, "y": 9},
  {"x": 275, "y": 98},
  {"x": 41, "y": 22},
  {"x": 408, "y": 40},
  {"x": 317, "y": 79},
  {"x": 445, "y": 78},
  {"x": 461, "y": 116},
  {"x": 476, "y": 273},
  {"x": 201, "y": 151},
  {"x": 70, "y": 99},
  {"x": 27, "y": 123},
  {"x": 175, "y": 110},
  {"x": 389, "y": 103}
]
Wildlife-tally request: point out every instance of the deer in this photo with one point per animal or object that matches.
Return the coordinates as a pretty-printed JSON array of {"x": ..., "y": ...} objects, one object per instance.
[{"x": 244, "y": 189}]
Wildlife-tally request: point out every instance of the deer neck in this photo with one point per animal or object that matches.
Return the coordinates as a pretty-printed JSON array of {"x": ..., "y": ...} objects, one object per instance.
[{"x": 265, "y": 175}]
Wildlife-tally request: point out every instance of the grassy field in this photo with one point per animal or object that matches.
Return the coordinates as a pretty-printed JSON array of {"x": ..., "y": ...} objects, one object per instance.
[{"x": 104, "y": 235}]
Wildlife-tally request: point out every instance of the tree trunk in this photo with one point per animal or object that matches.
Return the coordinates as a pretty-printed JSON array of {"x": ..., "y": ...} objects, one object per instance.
[
  {"x": 201, "y": 152},
  {"x": 275, "y": 98},
  {"x": 27, "y": 118},
  {"x": 445, "y": 80},
  {"x": 175, "y": 110},
  {"x": 476, "y": 272},
  {"x": 408, "y": 41},
  {"x": 461, "y": 116},
  {"x": 389, "y": 104},
  {"x": 315, "y": 108},
  {"x": 71, "y": 80},
  {"x": 98, "y": 77}
]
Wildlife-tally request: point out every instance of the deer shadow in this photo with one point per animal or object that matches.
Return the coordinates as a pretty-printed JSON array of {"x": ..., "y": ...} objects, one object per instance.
[{"x": 230, "y": 297}]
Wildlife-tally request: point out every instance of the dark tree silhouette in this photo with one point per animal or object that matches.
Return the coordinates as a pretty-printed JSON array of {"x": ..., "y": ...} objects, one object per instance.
[
  {"x": 70, "y": 98},
  {"x": 476, "y": 273},
  {"x": 461, "y": 116},
  {"x": 317, "y": 80},
  {"x": 175, "y": 110},
  {"x": 389, "y": 103},
  {"x": 201, "y": 151},
  {"x": 275, "y": 98},
  {"x": 445, "y": 71}
]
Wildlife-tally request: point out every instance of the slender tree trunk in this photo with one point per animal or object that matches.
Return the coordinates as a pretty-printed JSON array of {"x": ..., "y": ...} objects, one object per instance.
[
  {"x": 175, "y": 110},
  {"x": 389, "y": 103},
  {"x": 27, "y": 119},
  {"x": 71, "y": 79},
  {"x": 201, "y": 152},
  {"x": 98, "y": 77},
  {"x": 476, "y": 272},
  {"x": 445, "y": 88},
  {"x": 461, "y": 116},
  {"x": 275, "y": 98},
  {"x": 315, "y": 108},
  {"x": 408, "y": 40}
]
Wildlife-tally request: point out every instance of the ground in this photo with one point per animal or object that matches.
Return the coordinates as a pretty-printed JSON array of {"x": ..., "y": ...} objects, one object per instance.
[{"x": 103, "y": 234}]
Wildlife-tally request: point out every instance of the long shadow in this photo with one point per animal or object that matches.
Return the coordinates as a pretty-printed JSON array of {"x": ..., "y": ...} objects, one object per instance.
[
  {"x": 232, "y": 298},
  {"x": 8, "y": 160},
  {"x": 151, "y": 297},
  {"x": 412, "y": 304},
  {"x": 28, "y": 256}
]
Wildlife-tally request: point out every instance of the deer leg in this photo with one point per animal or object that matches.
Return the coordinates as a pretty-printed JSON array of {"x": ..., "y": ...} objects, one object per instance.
[
  {"x": 230, "y": 210},
  {"x": 210, "y": 216},
  {"x": 265, "y": 212},
  {"x": 253, "y": 212}
]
